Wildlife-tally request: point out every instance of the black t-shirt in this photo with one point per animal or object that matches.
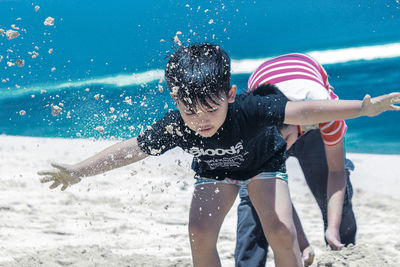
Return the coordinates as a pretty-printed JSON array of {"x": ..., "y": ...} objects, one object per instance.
[{"x": 244, "y": 146}]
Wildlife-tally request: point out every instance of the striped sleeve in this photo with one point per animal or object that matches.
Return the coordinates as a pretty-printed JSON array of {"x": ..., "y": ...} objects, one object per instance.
[{"x": 333, "y": 132}]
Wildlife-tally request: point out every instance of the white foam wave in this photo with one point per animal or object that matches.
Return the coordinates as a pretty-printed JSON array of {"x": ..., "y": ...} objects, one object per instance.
[
  {"x": 241, "y": 66},
  {"x": 334, "y": 56},
  {"x": 119, "y": 80}
]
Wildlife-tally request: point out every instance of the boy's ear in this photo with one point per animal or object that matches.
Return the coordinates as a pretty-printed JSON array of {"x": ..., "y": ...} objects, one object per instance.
[
  {"x": 232, "y": 94},
  {"x": 173, "y": 97}
]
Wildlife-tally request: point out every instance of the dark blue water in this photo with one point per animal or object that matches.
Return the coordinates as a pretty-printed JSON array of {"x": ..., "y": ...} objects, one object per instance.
[{"x": 94, "y": 39}]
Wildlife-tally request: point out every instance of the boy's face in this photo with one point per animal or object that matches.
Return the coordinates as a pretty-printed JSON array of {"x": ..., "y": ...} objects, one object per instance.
[{"x": 206, "y": 121}]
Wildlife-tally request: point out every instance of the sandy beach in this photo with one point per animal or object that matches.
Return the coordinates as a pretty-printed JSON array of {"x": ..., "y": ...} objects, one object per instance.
[{"x": 137, "y": 215}]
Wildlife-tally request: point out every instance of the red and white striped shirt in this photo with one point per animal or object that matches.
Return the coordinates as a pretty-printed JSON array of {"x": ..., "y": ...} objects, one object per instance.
[{"x": 300, "y": 77}]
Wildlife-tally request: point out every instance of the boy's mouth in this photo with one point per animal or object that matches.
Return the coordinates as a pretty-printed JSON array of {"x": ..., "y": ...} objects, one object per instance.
[{"x": 205, "y": 129}]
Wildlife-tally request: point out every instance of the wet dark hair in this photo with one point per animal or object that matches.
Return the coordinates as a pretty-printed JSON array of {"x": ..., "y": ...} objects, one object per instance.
[
  {"x": 270, "y": 89},
  {"x": 198, "y": 74}
]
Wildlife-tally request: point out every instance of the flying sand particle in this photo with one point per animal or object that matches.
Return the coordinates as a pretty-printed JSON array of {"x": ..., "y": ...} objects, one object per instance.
[
  {"x": 49, "y": 21},
  {"x": 53, "y": 69},
  {"x": 100, "y": 129},
  {"x": 211, "y": 21},
  {"x": 128, "y": 100},
  {"x": 34, "y": 54},
  {"x": 55, "y": 110},
  {"x": 12, "y": 34},
  {"x": 97, "y": 97},
  {"x": 170, "y": 129},
  {"x": 22, "y": 112},
  {"x": 176, "y": 38},
  {"x": 1, "y": 31},
  {"x": 10, "y": 64},
  {"x": 37, "y": 8},
  {"x": 20, "y": 62},
  {"x": 175, "y": 90},
  {"x": 50, "y": 50}
]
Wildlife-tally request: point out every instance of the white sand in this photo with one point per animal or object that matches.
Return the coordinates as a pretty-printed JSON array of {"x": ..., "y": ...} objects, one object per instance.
[{"x": 137, "y": 215}]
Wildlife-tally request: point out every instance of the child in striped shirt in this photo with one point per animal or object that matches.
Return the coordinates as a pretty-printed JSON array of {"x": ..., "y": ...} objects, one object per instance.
[{"x": 320, "y": 152}]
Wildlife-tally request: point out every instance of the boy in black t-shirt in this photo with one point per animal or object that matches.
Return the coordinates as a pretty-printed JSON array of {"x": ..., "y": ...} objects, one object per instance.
[{"x": 228, "y": 136}]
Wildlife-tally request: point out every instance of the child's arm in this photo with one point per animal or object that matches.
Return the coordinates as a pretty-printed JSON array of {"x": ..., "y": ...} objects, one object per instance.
[
  {"x": 311, "y": 112},
  {"x": 304, "y": 245},
  {"x": 336, "y": 188},
  {"x": 115, "y": 156}
]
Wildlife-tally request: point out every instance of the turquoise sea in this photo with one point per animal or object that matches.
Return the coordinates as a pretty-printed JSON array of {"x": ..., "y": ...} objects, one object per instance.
[{"x": 116, "y": 51}]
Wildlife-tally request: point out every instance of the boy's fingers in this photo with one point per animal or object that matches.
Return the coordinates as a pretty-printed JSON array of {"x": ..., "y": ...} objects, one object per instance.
[
  {"x": 367, "y": 98},
  {"x": 54, "y": 185},
  {"x": 336, "y": 246},
  {"x": 58, "y": 166},
  {"x": 395, "y": 101},
  {"x": 47, "y": 172},
  {"x": 394, "y": 107},
  {"x": 47, "y": 179}
]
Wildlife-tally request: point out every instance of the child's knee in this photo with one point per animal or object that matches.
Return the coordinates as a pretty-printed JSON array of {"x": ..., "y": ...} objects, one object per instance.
[
  {"x": 200, "y": 233},
  {"x": 282, "y": 235}
]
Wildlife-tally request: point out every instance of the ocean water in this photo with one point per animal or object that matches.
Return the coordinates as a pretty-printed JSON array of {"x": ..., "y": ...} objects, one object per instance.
[{"x": 116, "y": 52}]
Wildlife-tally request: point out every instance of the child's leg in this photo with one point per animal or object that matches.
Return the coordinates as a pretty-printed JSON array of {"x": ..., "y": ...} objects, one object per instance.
[
  {"x": 210, "y": 204},
  {"x": 251, "y": 244},
  {"x": 271, "y": 200}
]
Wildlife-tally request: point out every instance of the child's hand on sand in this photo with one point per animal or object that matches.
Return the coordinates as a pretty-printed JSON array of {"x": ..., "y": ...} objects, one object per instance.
[
  {"x": 333, "y": 239},
  {"x": 308, "y": 256},
  {"x": 375, "y": 106},
  {"x": 63, "y": 174}
]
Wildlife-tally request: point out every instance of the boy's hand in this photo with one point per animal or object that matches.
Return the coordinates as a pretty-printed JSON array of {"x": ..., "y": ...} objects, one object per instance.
[
  {"x": 375, "y": 106},
  {"x": 63, "y": 174},
  {"x": 308, "y": 256},
  {"x": 333, "y": 239}
]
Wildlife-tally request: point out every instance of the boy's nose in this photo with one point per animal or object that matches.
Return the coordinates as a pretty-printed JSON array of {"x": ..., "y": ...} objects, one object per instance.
[{"x": 201, "y": 120}]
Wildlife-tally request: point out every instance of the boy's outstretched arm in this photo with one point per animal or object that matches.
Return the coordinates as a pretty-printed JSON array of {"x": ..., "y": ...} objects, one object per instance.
[
  {"x": 118, "y": 155},
  {"x": 315, "y": 111}
]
